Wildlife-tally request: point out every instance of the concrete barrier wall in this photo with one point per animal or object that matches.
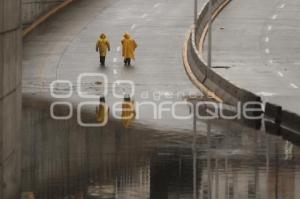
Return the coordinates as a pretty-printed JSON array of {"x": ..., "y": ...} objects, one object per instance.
[
  {"x": 277, "y": 121},
  {"x": 230, "y": 93},
  {"x": 10, "y": 98},
  {"x": 282, "y": 123},
  {"x": 32, "y": 9},
  {"x": 11, "y": 22},
  {"x": 222, "y": 88}
]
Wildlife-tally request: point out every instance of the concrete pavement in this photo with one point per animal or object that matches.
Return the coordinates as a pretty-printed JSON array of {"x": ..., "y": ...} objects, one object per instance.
[{"x": 259, "y": 42}]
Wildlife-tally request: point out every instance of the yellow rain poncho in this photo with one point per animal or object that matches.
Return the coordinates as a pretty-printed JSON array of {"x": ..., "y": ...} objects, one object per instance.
[
  {"x": 102, "y": 113},
  {"x": 103, "y": 45},
  {"x": 128, "y": 113},
  {"x": 129, "y": 45}
]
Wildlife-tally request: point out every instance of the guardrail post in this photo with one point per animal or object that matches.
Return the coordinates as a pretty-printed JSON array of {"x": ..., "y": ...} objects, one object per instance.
[
  {"x": 209, "y": 34},
  {"x": 195, "y": 11}
]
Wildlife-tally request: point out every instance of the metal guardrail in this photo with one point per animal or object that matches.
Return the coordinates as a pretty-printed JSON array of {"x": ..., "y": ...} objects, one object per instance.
[
  {"x": 282, "y": 123},
  {"x": 276, "y": 120},
  {"x": 230, "y": 93}
]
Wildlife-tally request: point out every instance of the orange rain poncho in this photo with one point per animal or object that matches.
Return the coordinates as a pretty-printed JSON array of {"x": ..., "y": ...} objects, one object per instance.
[{"x": 129, "y": 45}]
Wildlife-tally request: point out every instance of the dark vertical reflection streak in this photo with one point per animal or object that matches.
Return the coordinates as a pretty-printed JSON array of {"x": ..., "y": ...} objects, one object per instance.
[{"x": 62, "y": 160}]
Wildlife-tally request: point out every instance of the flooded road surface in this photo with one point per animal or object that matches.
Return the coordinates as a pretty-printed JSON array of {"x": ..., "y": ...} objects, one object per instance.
[{"x": 62, "y": 160}]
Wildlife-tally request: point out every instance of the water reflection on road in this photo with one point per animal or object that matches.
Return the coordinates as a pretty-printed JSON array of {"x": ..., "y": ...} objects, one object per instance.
[{"x": 62, "y": 160}]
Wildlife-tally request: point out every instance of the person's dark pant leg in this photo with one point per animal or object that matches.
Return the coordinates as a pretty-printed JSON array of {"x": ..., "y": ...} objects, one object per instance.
[
  {"x": 102, "y": 60},
  {"x": 127, "y": 61}
]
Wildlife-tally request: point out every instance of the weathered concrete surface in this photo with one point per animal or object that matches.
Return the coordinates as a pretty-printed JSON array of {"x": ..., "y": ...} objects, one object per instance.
[
  {"x": 259, "y": 41},
  {"x": 32, "y": 9},
  {"x": 10, "y": 98}
]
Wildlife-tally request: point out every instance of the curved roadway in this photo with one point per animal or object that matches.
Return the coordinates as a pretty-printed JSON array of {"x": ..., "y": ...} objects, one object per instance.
[
  {"x": 260, "y": 42},
  {"x": 64, "y": 47}
]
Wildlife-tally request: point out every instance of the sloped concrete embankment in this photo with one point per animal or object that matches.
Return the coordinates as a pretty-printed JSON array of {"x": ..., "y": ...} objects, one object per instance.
[
  {"x": 35, "y": 13},
  {"x": 32, "y": 9},
  {"x": 277, "y": 121}
]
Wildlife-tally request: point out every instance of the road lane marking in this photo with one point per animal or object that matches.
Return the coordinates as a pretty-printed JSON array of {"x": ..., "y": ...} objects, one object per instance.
[
  {"x": 265, "y": 94},
  {"x": 269, "y": 27},
  {"x": 282, "y": 6},
  {"x": 156, "y": 5},
  {"x": 267, "y": 51},
  {"x": 280, "y": 74},
  {"x": 267, "y": 39},
  {"x": 133, "y": 26},
  {"x": 115, "y": 60},
  {"x": 118, "y": 48},
  {"x": 274, "y": 17},
  {"x": 115, "y": 71},
  {"x": 293, "y": 85},
  {"x": 144, "y": 16}
]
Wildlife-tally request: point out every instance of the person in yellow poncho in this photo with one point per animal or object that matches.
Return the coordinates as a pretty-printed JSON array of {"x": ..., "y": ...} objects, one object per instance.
[
  {"x": 128, "y": 51},
  {"x": 128, "y": 111},
  {"x": 102, "y": 112},
  {"x": 102, "y": 46}
]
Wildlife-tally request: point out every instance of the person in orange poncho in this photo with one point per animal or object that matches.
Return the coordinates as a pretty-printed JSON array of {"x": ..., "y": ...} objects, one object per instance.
[{"x": 128, "y": 51}]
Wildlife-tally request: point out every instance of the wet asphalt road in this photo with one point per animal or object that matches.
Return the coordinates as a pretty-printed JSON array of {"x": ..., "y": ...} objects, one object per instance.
[
  {"x": 260, "y": 41},
  {"x": 137, "y": 163},
  {"x": 64, "y": 47}
]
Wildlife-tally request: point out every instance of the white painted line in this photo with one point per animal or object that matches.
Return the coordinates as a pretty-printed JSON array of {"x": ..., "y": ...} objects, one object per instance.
[
  {"x": 267, "y": 39},
  {"x": 294, "y": 85},
  {"x": 269, "y": 27},
  {"x": 280, "y": 74},
  {"x": 265, "y": 94},
  {"x": 144, "y": 16},
  {"x": 133, "y": 26},
  {"x": 156, "y": 5},
  {"x": 267, "y": 51},
  {"x": 274, "y": 17},
  {"x": 118, "y": 48},
  {"x": 115, "y": 60},
  {"x": 282, "y": 6},
  {"x": 115, "y": 71},
  {"x": 168, "y": 94}
]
